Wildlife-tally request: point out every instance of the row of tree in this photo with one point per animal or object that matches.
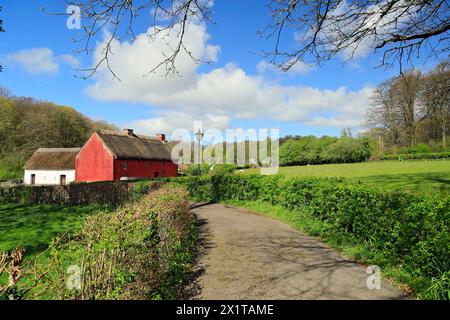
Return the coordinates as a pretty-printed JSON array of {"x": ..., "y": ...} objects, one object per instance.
[
  {"x": 27, "y": 124},
  {"x": 327, "y": 149},
  {"x": 412, "y": 108}
]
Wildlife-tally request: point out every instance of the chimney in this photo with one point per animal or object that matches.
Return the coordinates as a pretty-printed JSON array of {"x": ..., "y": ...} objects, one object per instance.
[
  {"x": 128, "y": 132},
  {"x": 161, "y": 136}
]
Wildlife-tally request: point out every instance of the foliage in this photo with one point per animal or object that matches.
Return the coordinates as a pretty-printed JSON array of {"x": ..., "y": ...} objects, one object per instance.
[
  {"x": 139, "y": 251},
  {"x": 211, "y": 169},
  {"x": 407, "y": 231},
  {"x": 412, "y": 110},
  {"x": 417, "y": 156},
  {"x": 27, "y": 124},
  {"x": 419, "y": 148},
  {"x": 312, "y": 150},
  {"x": 103, "y": 192}
]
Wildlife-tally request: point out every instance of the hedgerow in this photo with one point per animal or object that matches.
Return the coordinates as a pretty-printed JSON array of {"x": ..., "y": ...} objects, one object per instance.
[
  {"x": 142, "y": 250},
  {"x": 407, "y": 231},
  {"x": 103, "y": 192},
  {"x": 417, "y": 156}
]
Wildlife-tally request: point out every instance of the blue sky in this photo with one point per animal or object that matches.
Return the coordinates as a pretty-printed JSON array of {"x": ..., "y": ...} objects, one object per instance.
[{"x": 239, "y": 89}]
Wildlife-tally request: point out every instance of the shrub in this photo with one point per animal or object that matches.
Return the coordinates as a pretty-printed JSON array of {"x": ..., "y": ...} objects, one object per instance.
[
  {"x": 106, "y": 192},
  {"x": 312, "y": 150},
  {"x": 215, "y": 169},
  {"x": 141, "y": 250},
  {"x": 417, "y": 156}
]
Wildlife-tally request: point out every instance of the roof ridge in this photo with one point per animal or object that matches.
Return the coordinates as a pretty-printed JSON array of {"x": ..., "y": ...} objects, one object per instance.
[
  {"x": 58, "y": 149},
  {"x": 113, "y": 133},
  {"x": 123, "y": 134}
]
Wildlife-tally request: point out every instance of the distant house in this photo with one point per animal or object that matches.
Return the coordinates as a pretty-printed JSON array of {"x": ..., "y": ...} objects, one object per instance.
[
  {"x": 109, "y": 155},
  {"x": 51, "y": 166}
]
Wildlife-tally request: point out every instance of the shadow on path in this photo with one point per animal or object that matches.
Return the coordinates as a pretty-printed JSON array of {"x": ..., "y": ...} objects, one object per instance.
[{"x": 243, "y": 255}]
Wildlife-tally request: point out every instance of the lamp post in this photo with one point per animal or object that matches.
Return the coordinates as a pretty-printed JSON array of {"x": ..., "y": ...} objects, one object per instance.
[{"x": 199, "y": 135}]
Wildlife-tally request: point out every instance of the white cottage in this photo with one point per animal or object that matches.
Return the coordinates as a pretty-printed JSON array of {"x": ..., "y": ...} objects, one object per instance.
[{"x": 51, "y": 166}]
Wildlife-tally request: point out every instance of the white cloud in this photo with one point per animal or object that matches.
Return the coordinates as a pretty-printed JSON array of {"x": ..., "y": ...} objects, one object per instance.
[
  {"x": 216, "y": 96},
  {"x": 169, "y": 121},
  {"x": 299, "y": 68},
  {"x": 70, "y": 60},
  {"x": 39, "y": 61}
]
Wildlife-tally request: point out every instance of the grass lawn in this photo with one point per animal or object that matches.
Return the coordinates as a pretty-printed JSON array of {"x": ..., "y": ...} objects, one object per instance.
[
  {"x": 421, "y": 176},
  {"x": 34, "y": 226}
]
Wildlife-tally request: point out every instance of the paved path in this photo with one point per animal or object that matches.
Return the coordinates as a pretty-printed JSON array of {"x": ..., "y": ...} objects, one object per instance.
[{"x": 250, "y": 256}]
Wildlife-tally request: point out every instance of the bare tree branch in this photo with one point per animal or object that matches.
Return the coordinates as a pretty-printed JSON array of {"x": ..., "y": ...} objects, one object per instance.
[
  {"x": 323, "y": 29},
  {"x": 118, "y": 17}
]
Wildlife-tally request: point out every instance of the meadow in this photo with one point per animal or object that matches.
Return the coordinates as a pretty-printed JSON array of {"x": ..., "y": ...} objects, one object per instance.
[
  {"x": 418, "y": 176},
  {"x": 34, "y": 226}
]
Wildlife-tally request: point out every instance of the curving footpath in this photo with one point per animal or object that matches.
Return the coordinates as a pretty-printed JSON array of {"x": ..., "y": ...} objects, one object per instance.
[{"x": 245, "y": 255}]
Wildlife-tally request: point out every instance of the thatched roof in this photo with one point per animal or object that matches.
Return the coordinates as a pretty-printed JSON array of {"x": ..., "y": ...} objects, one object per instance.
[
  {"x": 53, "y": 159},
  {"x": 124, "y": 146}
]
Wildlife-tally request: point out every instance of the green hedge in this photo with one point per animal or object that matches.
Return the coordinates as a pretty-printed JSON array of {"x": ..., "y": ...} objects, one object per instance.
[
  {"x": 410, "y": 231},
  {"x": 108, "y": 192},
  {"x": 418, "y": 156},
  {"x": 142, "y": 250}
]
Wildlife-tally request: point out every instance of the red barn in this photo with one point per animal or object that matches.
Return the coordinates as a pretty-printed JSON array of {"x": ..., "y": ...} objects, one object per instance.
[{"x": 108, "y": 156}]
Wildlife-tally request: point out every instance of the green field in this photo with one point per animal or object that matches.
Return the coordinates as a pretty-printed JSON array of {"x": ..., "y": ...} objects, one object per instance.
[
  {"x": 420, "y": 176},
  {"x": 34, "y": 226}
]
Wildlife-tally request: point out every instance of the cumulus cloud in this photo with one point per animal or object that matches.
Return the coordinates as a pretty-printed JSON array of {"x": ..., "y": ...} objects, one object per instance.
[
  {"x": 217, "y": 96},
  {"x": 69, "y": 59},
  {"x": 40, "y": 61},
  {"x": 170, "y": 121},
  {"x": 300, "y": 68}
]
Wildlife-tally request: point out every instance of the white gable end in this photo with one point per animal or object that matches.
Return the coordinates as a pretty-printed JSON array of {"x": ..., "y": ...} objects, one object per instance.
[{"x": 49, "y": 177}]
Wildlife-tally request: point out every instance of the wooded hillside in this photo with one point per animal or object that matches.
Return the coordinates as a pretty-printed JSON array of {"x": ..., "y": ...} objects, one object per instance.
[{"x": 27, "y": 124}]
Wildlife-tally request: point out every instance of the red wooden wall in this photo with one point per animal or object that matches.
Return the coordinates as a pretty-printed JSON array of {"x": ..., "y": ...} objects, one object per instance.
[
  {"x": 94, "y": 162},
  {"x": 144, "y": 168}
]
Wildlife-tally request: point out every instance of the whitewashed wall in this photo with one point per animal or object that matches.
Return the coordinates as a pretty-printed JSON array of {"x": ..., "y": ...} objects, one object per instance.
[{"x": 46, "y": 177}]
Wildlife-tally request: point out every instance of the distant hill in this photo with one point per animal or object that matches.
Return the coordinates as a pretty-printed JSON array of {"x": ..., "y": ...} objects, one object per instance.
[{"x": 27, "y": 124}]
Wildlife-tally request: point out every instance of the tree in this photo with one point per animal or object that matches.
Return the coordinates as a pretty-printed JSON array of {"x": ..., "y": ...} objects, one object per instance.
[
  {"x": 395, "y": 107},
  {"x": 27, "y": 124},
  {"x": 413, "y": 108},
  {"x": 435, "y": 98},
  {"x": 407, "y": 88},
  {"x": 1, "y": 30},
  {"x": 4, "y": 92},
  {"x": 346, "y": 133},
  {"x": 383, "y": 112},
  {"x": 323, "y": 29}
]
